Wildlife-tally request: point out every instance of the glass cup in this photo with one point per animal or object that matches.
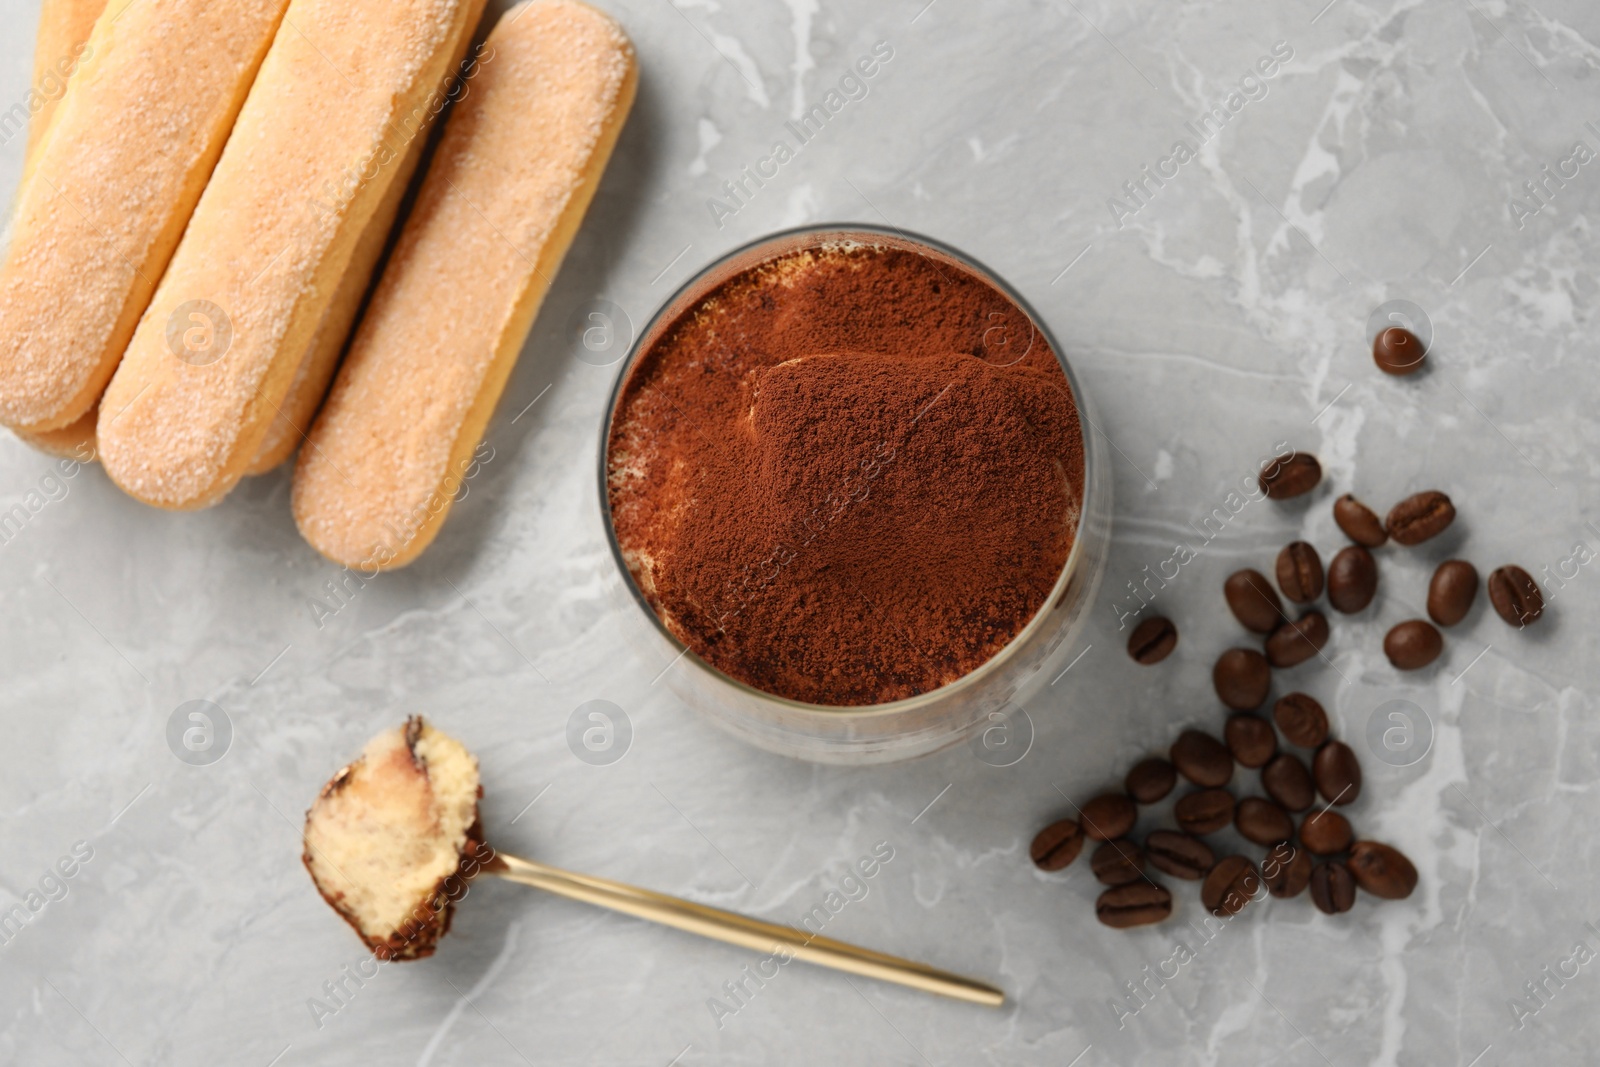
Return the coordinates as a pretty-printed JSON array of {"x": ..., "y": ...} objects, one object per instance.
[{"x": 981, "y": 705}]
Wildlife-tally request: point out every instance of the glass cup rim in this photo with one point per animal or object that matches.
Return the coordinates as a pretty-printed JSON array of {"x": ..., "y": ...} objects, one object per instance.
[{"x": 845, "y": 231}]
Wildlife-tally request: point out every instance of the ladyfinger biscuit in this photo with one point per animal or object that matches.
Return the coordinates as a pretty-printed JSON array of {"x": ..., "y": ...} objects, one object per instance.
[
  {"x": 518, "y": 164},
  {"x": 292, "y": 421},
  {"x": 124, "y": 160},
  {"x": 76, "y": 439},
  {"x": 314, "y": 152},
  {"x": 62, "y": 44}
]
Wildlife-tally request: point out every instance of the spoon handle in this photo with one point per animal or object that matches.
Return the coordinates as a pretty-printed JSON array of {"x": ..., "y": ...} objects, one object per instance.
[{"x": 741, "y": 930}]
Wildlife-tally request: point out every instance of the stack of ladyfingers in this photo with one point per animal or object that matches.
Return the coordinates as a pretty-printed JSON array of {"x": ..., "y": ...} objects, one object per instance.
[{"x": 202, "y": 211}]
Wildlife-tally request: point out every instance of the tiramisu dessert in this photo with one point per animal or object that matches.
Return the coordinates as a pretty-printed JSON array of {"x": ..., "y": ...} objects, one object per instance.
[
  {"x": 848, "y": 474},
  {"x": 394, "y": 836}
]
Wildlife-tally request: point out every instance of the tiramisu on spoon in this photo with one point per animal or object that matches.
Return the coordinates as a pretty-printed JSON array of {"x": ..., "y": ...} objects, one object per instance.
[{"x": 394, "y": 839}]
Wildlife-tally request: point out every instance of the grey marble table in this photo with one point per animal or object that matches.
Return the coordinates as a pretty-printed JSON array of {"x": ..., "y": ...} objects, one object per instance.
[{"x": 1358, "y": 153}]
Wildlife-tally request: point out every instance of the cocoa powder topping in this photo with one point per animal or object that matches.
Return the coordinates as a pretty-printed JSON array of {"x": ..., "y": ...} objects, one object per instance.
[{"x": 848, "y": 475}]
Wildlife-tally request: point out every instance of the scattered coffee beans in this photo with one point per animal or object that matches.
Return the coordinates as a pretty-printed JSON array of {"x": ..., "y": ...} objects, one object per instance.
[
  {"x": 1286, "y": 870},
  {"x": 1332, "y": 889},
  {"x": 1108, "y": 816},
  {"x": 1413, "y": 644},
  {"x": 1326, "y": 833},
  {"x": 1057, "y": 845},
  {"x": 1201, "y": 758},
  {"x": 1150, "y": 780},
  {"x": 1242, "y": 678},
  {"x": 1515, "y": 595},
  {"x": 1117, "y": 862},
  {"x": 1179, "y": 854},
  {"x": 1253, "y": 601},
  {"x": 1205, "y": 811},
  {"x": 1301, "y": 720},
  {"x": 1296, "y": 473},
  {"x": 1153, "y": 640},
  {"x": 1322, "y": 854},
  {"x": 1397, "y": 351},
  {"x": 1451, "y": 592},
  {"x": 1359, "y": 522},
  {"x": 1262, "y": 822},
  {"x": 1287, "y": 781},
  {"x": 1352, "y": 579},
  {"x": 1250, "y": 739},
  {"x": 1300, "y": 572},
  {"x": 1295, "y": 642},
  {"x": 1419, "y": 517},
  {"x": 1135, "y": 904},
  {"x": 1232, "y": 883},
  {"x": 1337, "y": 773},
  {"x": 1382, "y": 871}
]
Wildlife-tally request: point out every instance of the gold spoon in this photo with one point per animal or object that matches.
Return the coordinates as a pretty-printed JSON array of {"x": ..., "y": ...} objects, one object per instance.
[
  {"x": 393, "y": 842},
  {"x": 741, "y": 930}
]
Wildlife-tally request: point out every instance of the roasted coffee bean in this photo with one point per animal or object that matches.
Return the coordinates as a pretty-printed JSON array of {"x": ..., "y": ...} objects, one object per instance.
[
  {"x": 1251, "y": 740},
  {"x": 1300, "y": 572},
  {"x": 1201, "y": 758},
  {"x": 1301, "y": 720},
  {"x": 1242, "y": 678},
  {"x": 1352, "y": 579},
  {"x": 1419, "y": 517},
  {"x": 1337, "y": 773},
  {"x": 1117, "y": 862},
  {"x": 1295, "y": 642},
  {"x": 1296, "y": 473},
  {"x": 1135, "y": 904},
  {"x": 1326, "y": 833},
  {"x": 1261, "y": 821},
  {"x": 1179, "y": 854},
  {"x": 1382, "y": 871},
  {"x": 1287, "y": 781},
  {"x": 1253, "y": 601},
  {"x": 1333, "y": 890},
  {"x": 1451, "y": 592},
  {"x": 1153, "y": 640},
  {"x": 1232, "y": 883},
  {"x": 1515, "y": 595},
  {"x": 1108, "y": 816},
  {"x": 1413, "y": 644},
  {"x": 1150, "y": 780},
  {"x": 1057, "y": 845},
  {"x": 1359, "y": 522},
  {"x": 1286, "y": 870},
  {"x": 1205, "y": 811},
  {"x": 1398, "y": 351}
]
